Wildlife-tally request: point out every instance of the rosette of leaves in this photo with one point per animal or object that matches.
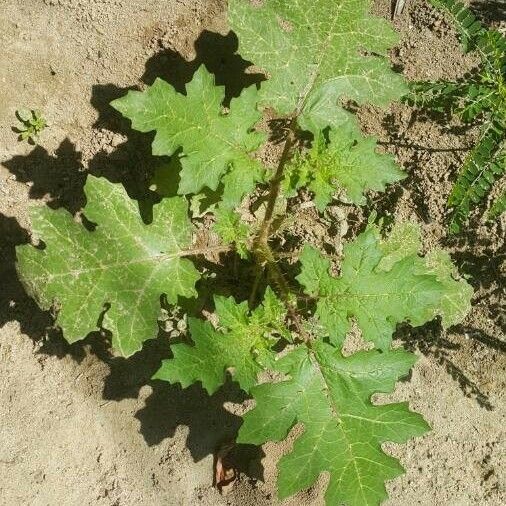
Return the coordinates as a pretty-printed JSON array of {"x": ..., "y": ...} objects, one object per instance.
[
  {"x": 32, "y": 124},
  {"x": 285, "y": 350},
  {"x": 479, "y": 97}
]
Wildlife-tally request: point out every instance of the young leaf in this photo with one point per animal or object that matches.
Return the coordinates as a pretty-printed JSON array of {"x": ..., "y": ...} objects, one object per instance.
[
  {"x": 241, "y": 344},
  {"x": 24, "y": 114},
  {"x": 349, "y": 162},
  {"x": 215, "y": 144},
  {"x": 231, "y": 229},
  {"x": 313, "y": 53},
  {"x": 381, "y": 286},
  {"x": 123, "y": 263},
  {"x": 343, "y": 431}
]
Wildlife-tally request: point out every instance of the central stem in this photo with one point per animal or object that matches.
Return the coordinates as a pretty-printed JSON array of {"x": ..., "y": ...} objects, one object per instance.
[
  {"x": 265, "y": 228},
  {"x": 261, "y": 249}
]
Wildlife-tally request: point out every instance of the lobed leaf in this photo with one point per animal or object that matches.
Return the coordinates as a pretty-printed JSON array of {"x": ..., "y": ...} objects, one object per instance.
[
  {"x": 349, "y": 163},
  {"x": 124, "y": 264},
  {"x": 232, "y": 230},
  {"x": 383, "y": 283},
  {"x": 342, "y": 430},
  {"x": 214, "y": 144},
  {"x": 241, "y": 345},
  {"x": 313, "y": 54}
]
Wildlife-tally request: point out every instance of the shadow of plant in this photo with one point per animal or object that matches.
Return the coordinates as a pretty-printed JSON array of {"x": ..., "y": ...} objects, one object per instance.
[
  {"x": 60, "y": 178},
  {"x": 429, "y": 340},
  {"x": 168, "y": 406},
  {"x": 489, "y": 11}
]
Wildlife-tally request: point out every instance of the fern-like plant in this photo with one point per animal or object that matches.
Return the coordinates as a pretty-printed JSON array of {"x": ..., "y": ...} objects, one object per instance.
[
  {"x": 114, "y": 276},
  {"x": 498, "y": 206},
  {"x": 480, "y": 96}
]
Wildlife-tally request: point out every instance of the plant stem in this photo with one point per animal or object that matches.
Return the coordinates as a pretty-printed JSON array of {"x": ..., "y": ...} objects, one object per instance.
[
  {"x": 263, "y": 253},
  {"x": 261, "y": 250},
  {"x": 259, "y": 270},
  {"x": 276, "y": 181},
  {"x": 290, "y": 302}
]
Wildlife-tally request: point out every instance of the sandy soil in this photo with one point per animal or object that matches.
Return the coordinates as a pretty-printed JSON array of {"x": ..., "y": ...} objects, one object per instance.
[{"x": 79, "y": 426}]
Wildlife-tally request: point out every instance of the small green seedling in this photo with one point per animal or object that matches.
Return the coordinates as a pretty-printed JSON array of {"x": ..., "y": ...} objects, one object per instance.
[{"x": 32, "y": 124}]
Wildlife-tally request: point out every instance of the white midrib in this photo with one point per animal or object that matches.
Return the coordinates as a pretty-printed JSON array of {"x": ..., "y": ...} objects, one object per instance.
[
  {"x": 321, "y": 55},
  {"x": 335, "y": 411}
]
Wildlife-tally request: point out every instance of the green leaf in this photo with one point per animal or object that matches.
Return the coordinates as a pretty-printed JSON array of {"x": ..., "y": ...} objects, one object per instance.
[
  {"x": 24, "y": 114},
  {"x": 404, "y": 241},
  {"x": 232, "y": 230},
  {"x": 484, "y": 165},
  {"x": 123, "y": 263},
  {"x": 456, "y": 300},
  {"x": 498, "y": 206},
  {"x": 383, "y": 283},
  {"x": 241, "y": 345},
  {"x": 215, "y": 144},
  {"x": 343, "y": 431},
  {"x": 349, "y": 162},
  {"x": 313, "y": 54}
]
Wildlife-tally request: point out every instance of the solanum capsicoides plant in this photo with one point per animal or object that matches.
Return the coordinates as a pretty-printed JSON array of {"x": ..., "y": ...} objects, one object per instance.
[{"x": 316, "y": 54}]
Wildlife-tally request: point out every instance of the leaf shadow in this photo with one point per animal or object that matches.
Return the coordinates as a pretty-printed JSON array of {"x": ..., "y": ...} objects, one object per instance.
[
  {"x": 58, "y": 177},
  {"x": 490, "y": 12},
  {"x": 430, "y": 340},
  {"x": 126, "y": 158},
  {"x": 218, "y": 53},
  {"x": 15, "y": 304},
  {"x": 168, "y": 406}
]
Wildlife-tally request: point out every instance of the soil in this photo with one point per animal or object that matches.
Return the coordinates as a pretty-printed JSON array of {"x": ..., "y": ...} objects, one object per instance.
[{"x": 80, "y": 426}]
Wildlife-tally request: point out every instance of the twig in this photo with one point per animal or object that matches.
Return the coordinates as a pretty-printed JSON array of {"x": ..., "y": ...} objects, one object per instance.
[{"x": 398, "y": 7}]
